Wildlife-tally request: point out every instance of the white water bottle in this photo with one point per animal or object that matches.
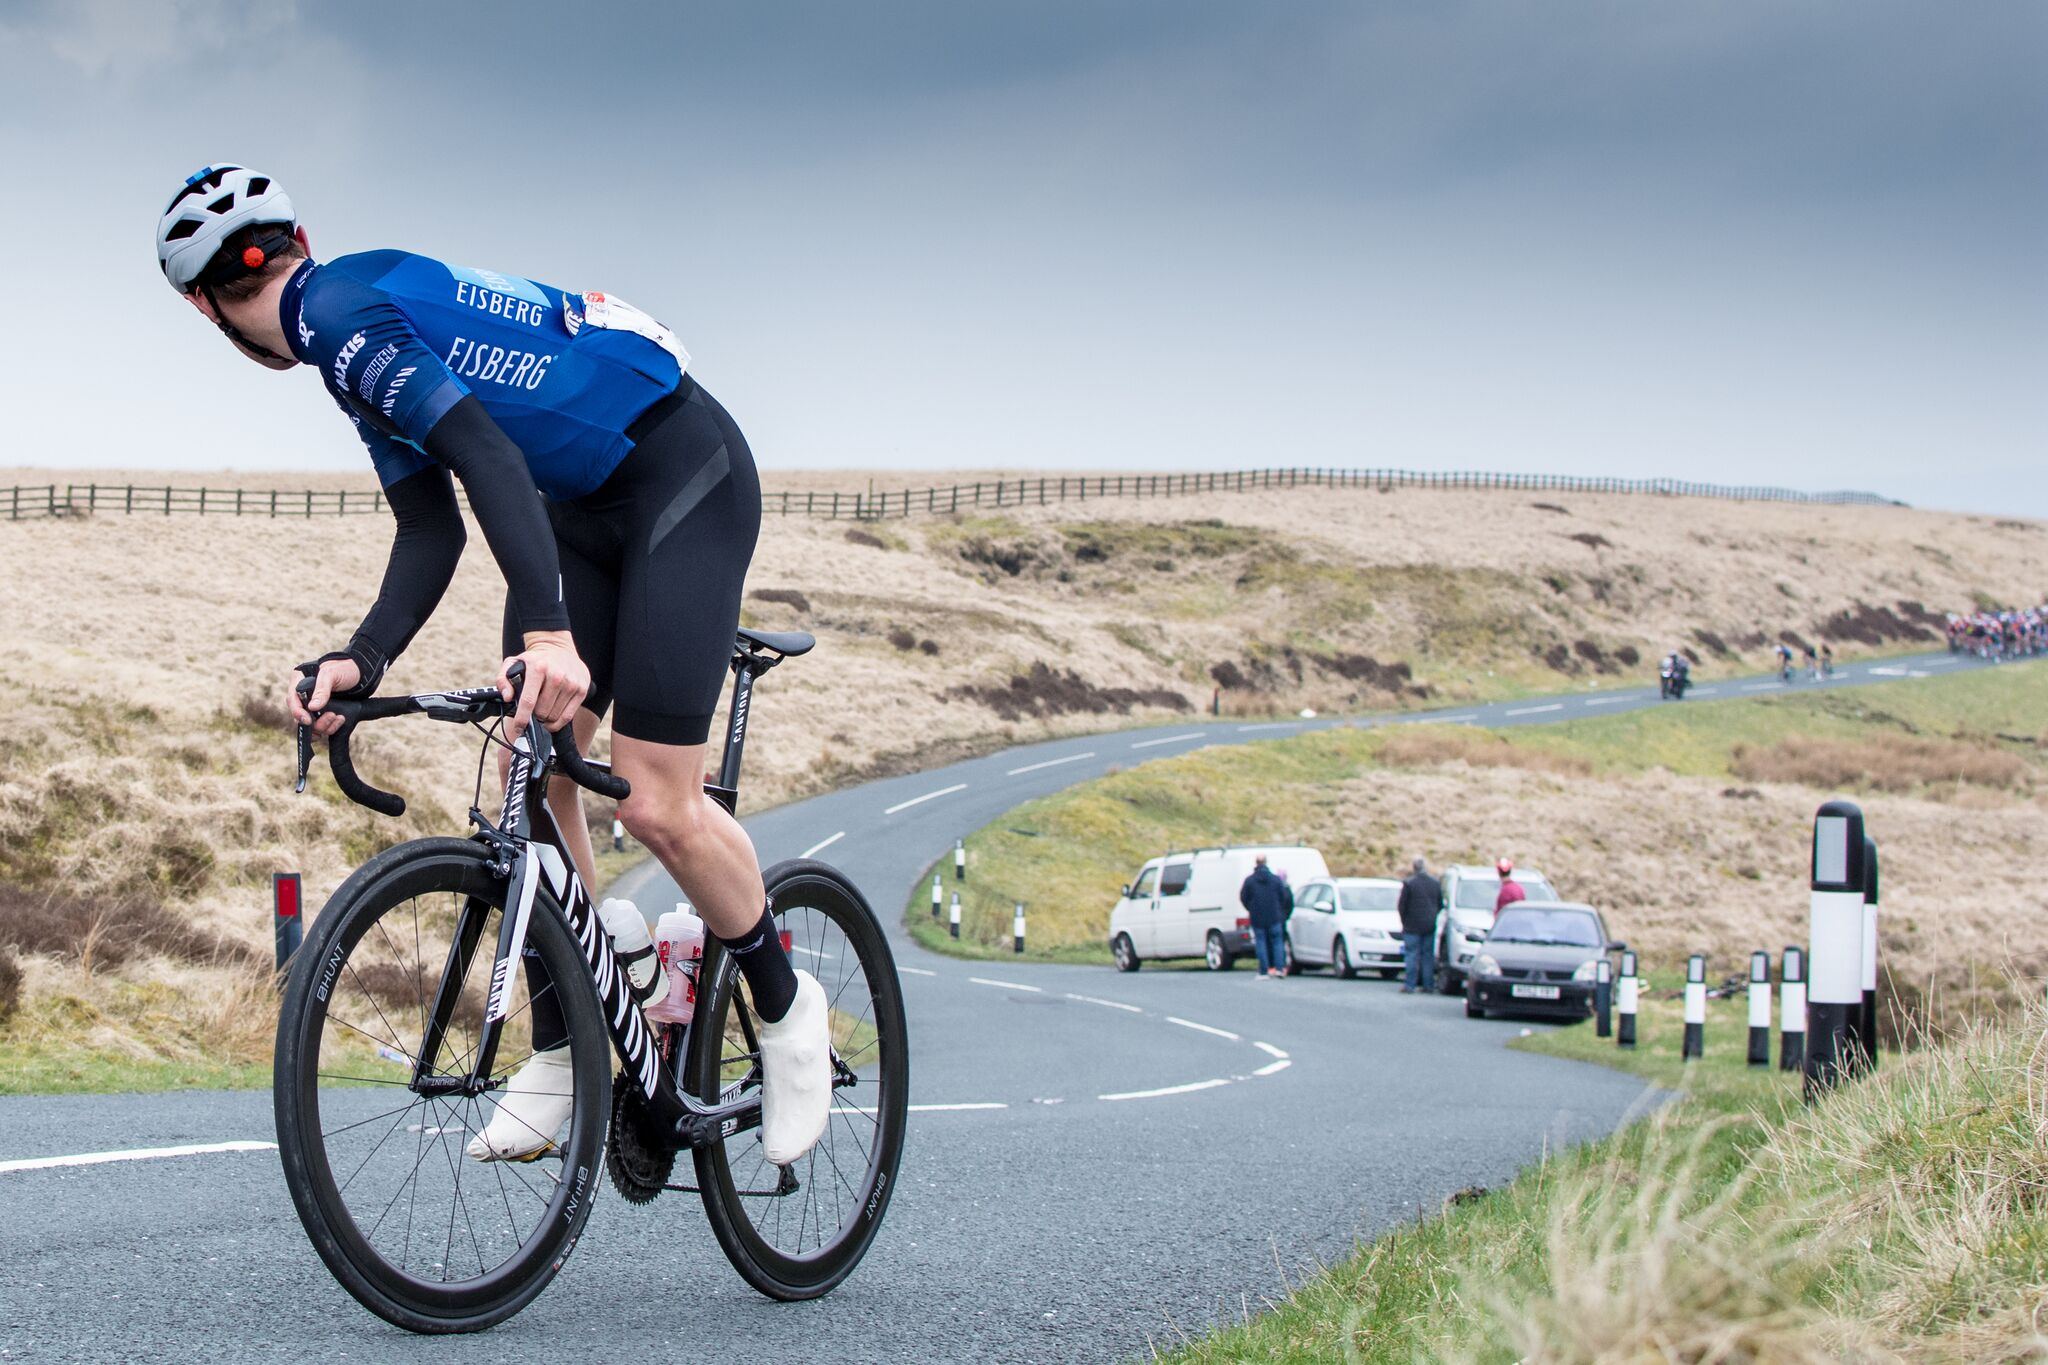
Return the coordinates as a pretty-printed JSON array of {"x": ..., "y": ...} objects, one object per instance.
[
  {"x": 628, "y": 929},
  {"x": 679, "y": 941}
]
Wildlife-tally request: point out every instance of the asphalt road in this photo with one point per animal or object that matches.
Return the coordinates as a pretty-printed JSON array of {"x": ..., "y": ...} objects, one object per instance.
[{"x": 1074, "y": 1214}]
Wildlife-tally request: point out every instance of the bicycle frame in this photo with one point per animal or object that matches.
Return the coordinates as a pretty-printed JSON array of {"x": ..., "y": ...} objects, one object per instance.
[{"x": 531, "y": 849}]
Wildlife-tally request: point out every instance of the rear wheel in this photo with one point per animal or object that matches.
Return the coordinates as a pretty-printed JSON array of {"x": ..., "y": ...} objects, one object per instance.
[
  {"x": 1215, "y": 954},
  {"x": 1125, "y": 954},
  {"x": 1340, "y": 961},
  {"x": 420, "y": 1234},
  {"x": 796, "y": 1231}
]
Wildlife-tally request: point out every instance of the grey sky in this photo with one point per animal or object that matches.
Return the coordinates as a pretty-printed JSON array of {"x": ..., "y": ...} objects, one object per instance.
[{"x": 1794, "y": 243}]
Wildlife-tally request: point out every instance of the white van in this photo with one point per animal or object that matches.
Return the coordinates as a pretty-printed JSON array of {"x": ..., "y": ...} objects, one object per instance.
[{"x": 1185, "y": 904}]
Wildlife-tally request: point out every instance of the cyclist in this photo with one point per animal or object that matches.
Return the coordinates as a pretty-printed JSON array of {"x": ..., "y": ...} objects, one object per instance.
[
  {"x": 1827, "y": 660},
  {"x": 1812, "y": 662},
  {"x": 1784, "y": 652},
  {"x": 622, "y": 505}
]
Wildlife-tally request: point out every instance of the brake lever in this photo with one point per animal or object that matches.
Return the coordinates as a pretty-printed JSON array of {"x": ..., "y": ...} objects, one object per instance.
[{"x": 304, "y": 687}]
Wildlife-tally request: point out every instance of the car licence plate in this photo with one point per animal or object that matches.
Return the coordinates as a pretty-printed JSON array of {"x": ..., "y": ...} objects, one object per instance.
[{"x": 1533, "y": 992}]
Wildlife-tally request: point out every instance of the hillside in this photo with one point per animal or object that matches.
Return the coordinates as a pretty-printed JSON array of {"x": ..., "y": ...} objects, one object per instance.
[{"x": 142, "y": 764}]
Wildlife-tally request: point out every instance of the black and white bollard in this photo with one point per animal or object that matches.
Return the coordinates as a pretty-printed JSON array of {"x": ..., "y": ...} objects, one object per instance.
[
  {"x": 1866, "y": 1024},
  {"x": 618, "y": 836},
  {"x": 1759, "y": 1009},
  {"x": 1625, "y": 990},
  {"x": 938, "y": 896},
  {"x": 953, "y": 916},
  {"x": 284, "y": 915},
  {"x": 959, "y": 860},
  {"x": 1834, "y": 988},
  {"x": 1792, "y": 1011},
  {"x": 1695, "y": 1007},
  {"x": 1603, "y": 999},
  {"x": 1017, "y": 929}
]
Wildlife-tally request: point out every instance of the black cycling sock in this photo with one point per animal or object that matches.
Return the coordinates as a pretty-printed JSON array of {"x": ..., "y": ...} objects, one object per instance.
[
  {"x": 545, "y": 1012},
  {"x": 766, "y": 967}
]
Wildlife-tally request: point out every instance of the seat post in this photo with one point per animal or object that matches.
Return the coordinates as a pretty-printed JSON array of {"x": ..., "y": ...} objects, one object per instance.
[{"x": 745, "y": 667}]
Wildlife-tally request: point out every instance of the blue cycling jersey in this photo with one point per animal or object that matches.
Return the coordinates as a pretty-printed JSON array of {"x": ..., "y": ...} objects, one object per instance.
[{"x": 399, "y": 339}]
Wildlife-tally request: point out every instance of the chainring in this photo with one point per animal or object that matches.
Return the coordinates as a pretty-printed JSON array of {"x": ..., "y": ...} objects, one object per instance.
[{"x": 638, "y": 1167}]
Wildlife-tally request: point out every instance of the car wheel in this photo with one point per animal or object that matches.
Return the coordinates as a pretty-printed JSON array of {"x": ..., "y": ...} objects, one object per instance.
[
  {"x": 1340, "y": 961},
  {"x": 1448, "y": 982},
  {"x": 1215, "y": 954},
  {"x": 1126, "y": 956},
  {"x": 1290, "y": 965},
  {"x": 1473, "y": 1009}
]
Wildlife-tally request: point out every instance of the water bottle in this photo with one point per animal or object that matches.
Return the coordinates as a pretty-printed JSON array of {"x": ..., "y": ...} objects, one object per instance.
[
  {"x": 628, "y": 929},
  {"x": 679, "y": 940}
]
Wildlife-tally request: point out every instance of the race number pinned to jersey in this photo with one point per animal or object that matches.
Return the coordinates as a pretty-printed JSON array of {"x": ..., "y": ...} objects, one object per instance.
[{"x": 615, "y": 314}]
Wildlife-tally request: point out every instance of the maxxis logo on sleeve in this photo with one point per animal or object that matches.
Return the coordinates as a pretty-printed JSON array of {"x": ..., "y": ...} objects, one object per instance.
[{"x": 344, "y": 358}]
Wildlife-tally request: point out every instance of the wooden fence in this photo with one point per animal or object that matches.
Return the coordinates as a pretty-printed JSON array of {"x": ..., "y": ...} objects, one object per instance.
[{"x": 86, "y": 499}]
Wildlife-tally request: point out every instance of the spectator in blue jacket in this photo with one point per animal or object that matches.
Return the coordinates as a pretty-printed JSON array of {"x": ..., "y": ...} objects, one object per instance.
[{"x": 1270, "y": 903}]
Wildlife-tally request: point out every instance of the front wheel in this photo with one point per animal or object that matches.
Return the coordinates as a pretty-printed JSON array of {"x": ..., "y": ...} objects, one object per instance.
[
  {"x": 1340, "y": 961},
  {"x": 1125, "y": 954},
  {"x": 378, "y": 1027},
  {"x": 795, "y": 1231},
  {"x": 1215, "y": 954}
]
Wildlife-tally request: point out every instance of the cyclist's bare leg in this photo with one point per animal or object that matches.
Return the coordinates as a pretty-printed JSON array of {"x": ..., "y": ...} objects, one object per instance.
[{"x": 695, "y": 838}]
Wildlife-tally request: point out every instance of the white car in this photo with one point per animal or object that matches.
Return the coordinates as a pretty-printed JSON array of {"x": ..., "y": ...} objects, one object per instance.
[
  {"x": 1347, "y": 924},
  {"x": 1185, "y": 904},
  {"x": 1467, "y": 918}
]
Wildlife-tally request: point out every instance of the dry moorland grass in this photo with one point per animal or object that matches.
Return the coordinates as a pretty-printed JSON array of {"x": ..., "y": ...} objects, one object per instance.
[{"x": 144, "y": 755}]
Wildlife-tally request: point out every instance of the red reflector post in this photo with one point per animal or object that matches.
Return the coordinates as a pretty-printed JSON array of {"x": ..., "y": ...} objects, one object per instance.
[
  {"x": 284, "y": 915},
  {"x": 787, "y": 938}
]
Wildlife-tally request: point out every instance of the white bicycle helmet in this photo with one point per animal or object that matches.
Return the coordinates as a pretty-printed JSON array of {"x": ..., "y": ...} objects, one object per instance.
[{"x": 208, "y": 208}]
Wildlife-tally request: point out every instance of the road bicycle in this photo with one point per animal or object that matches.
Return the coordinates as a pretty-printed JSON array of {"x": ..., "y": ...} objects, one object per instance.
[{"x": 407, "y": 1009}]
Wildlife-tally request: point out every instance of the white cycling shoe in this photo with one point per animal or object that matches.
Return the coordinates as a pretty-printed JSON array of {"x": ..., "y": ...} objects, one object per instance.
[
  {"x": 532, "y": 1108},
  {"x": 796, "y": 1074}
]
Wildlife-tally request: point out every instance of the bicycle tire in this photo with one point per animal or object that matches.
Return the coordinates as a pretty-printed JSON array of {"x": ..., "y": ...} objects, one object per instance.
[
  {"x": 330, "y": 967},
  {"x": 807, "y": 896}
]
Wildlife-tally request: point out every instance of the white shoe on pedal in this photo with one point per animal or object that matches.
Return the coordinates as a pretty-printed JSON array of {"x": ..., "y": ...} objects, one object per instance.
[
  {"x": 532, "y": 1108},
  {"x": 796, "y": 1074}
]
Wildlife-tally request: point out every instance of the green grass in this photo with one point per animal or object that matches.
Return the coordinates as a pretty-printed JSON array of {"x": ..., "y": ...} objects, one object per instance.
[
  {"x": 68, "y": 1069},
  {"x": 1066, "y": 855},
  {"x": 1904, "y": 1214}
]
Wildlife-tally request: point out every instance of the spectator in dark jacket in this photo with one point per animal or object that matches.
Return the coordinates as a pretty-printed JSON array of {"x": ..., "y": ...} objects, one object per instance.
[
  {"x": 1422, "y": 897},
  {"x": 1270, "y": 903}
]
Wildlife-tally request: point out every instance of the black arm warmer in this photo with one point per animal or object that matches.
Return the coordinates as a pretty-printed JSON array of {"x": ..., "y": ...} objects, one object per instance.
[
  {"x": 507, "y": 507},
  {"x": 424, "y": 554}
]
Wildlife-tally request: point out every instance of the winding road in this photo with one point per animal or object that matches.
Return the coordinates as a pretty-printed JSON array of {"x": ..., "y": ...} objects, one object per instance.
[{"x": 1097, "y": 1163}]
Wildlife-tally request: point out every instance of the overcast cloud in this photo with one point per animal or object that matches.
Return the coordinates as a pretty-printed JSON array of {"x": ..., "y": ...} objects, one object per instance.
[{"x": 1789, "y": 243}]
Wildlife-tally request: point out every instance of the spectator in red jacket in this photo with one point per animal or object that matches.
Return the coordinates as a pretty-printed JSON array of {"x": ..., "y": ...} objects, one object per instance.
[{"x": 1510, "y": 889}]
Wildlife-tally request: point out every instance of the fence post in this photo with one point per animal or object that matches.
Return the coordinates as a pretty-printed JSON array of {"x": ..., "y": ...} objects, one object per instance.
[
  {"x": 1834, "y": 993},
  {"x": 1866, "y": 1031},
  {"x": 1625, "y": 1002},
  {"x": 1603, "y": 998},
  {"x": 309, "y": 504},
  {"x": 202, "y": 499},
  {"x": 1017, "y": 929},
  {"x": 1695, "y": 1007},
  {"x": 1792, "y": 1010},
  {"x": 1759, "y": 1009}
]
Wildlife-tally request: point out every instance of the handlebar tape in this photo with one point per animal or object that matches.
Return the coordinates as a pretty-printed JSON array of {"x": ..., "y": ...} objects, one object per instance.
[{"x": 570, "y": 760}]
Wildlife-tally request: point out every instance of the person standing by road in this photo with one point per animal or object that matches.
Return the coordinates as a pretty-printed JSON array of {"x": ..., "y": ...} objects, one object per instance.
[
  {"x": 1270, "y": 903},
  {"x": 1422, "y": 897},
  {"x": 1510, "y": 889}
]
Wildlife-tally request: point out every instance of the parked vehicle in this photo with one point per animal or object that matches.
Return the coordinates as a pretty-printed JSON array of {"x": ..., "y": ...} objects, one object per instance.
[
  {"x": 1347, "y": 924},
  {"x": 1185, "y": 904},
  {"x": 1469, "y": 893},
  {"x": 1541, "y": 958}
]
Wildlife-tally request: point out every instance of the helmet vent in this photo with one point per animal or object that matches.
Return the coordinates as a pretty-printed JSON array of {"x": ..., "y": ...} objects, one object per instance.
[
  {"x": 182, "y": 229},
  {"x": 258, "y": 185},
  {"x": 222, "y": 204}
]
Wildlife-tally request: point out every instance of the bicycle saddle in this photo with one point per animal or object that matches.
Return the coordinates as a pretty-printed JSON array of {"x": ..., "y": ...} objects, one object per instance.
[{"x": 787, "y": 643}]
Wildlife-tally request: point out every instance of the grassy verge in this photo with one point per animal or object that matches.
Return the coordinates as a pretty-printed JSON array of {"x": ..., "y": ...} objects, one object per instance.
[
  {"x": 1903, "y": 1217},
  {"x": 1974, "y": 736}
]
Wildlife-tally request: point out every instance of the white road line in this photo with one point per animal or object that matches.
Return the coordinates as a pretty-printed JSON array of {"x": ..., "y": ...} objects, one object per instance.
[
  {"x": 1204, "y": 1028},
  {"x": 1269, "y": 1049},
  {"x": 1535, "y": 710},
  {"x": 1935, "y": 663},
  {"x": 822, "y": 845},
  {"x": 1447, "y": 720},
  {"x": 47, "y": 1163},
  {"x": 1189, "y": 1088},
  {"x": 928, "y": 796},
  {"x": 1271, "y": 725},
  {"x": 1049, "y": 763},
  {"x": 1006, "y": 985},
  {"x": 920, "y": 1108},
  {"x": 1270, "y": 1067},
  {"x": 916, "y": 971},
  {"x": 1098, "y": 1000},
  {"x": 807, "y": 952},
  {"x": 1608, "y": 701},
  {"x": 1170, "y": 739},
  {"x": 1762, "y": 687}
]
